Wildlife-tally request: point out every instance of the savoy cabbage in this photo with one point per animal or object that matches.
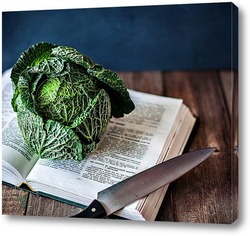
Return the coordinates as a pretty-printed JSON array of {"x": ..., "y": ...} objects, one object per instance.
[{"x": 64, "y": 101}]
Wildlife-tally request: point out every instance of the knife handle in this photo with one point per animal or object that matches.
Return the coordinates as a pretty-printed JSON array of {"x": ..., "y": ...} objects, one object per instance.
[{"x": 94, "y": 210}]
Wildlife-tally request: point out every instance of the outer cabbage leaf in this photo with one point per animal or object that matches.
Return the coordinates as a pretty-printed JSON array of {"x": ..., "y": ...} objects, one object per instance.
[
  {"x": 92, "y": 124},
  {"x": 50, "y": 140},
  {"x": 120, "y": 100},
  {"x": 32, "y": 56}
]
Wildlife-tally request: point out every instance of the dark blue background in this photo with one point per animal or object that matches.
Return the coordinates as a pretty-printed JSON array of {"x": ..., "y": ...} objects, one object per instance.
[{"x": 167, "y": 37}]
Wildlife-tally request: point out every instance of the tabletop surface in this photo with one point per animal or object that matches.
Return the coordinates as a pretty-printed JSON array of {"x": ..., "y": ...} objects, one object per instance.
[{"x": 206, "y": 194}]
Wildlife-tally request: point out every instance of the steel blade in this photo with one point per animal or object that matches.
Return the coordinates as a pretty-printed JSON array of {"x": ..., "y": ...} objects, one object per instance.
[{"x": 140, "y": 185}]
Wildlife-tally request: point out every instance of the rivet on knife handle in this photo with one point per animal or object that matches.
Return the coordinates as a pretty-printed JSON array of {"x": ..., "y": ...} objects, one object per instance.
[{"x": 94, "y": 210}]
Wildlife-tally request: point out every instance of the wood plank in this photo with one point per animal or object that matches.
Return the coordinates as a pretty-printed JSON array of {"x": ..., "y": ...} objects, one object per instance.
[
  {"x": 227, "y": 84},
  {"x": 236, "y": 111},
  {"x": 14, "y": 201},
  {"x": 201, "y": 92},
  {"x": 43, "y": 206},
  {"x": 235, "y": 160},
  {"x": 147, "y": 81},
  {"x": 229, "y": 80},
  {"x": 128, "y": 78},
  {"x": 204, "y": 194},
  {"x": 235, "y": 185}
]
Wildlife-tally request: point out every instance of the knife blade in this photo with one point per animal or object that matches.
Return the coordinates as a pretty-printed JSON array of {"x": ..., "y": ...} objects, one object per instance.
[{"x": 140, "y": 185}]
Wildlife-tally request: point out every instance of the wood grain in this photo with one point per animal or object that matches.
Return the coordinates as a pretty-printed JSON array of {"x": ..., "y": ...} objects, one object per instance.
[
  {"x": 14, "y": 201},
  {"x": 208, "y": 193},
  {"x": 43, "y": 206}
]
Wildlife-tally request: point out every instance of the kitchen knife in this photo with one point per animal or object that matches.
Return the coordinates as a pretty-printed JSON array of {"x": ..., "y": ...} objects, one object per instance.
[{"x": 137, "y": 186}]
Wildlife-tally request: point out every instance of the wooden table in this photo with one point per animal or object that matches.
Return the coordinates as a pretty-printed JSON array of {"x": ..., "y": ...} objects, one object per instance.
[{"x": 208, "y": 193}]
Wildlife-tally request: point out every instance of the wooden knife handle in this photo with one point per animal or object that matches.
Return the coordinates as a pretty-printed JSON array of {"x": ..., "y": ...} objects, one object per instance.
[{"x": 94, "y": 210}]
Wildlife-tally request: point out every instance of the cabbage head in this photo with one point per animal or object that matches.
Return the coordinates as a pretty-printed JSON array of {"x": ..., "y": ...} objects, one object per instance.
[{"x": 64, "y": 101}]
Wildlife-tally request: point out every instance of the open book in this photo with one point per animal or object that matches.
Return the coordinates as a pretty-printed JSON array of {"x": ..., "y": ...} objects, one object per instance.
[{"x": 158, "y": 129}]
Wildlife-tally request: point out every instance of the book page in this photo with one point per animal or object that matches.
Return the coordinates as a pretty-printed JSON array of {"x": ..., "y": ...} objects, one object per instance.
[
  {"x": 129, "y": 145},
  {"x": 14, "y": 151}
]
